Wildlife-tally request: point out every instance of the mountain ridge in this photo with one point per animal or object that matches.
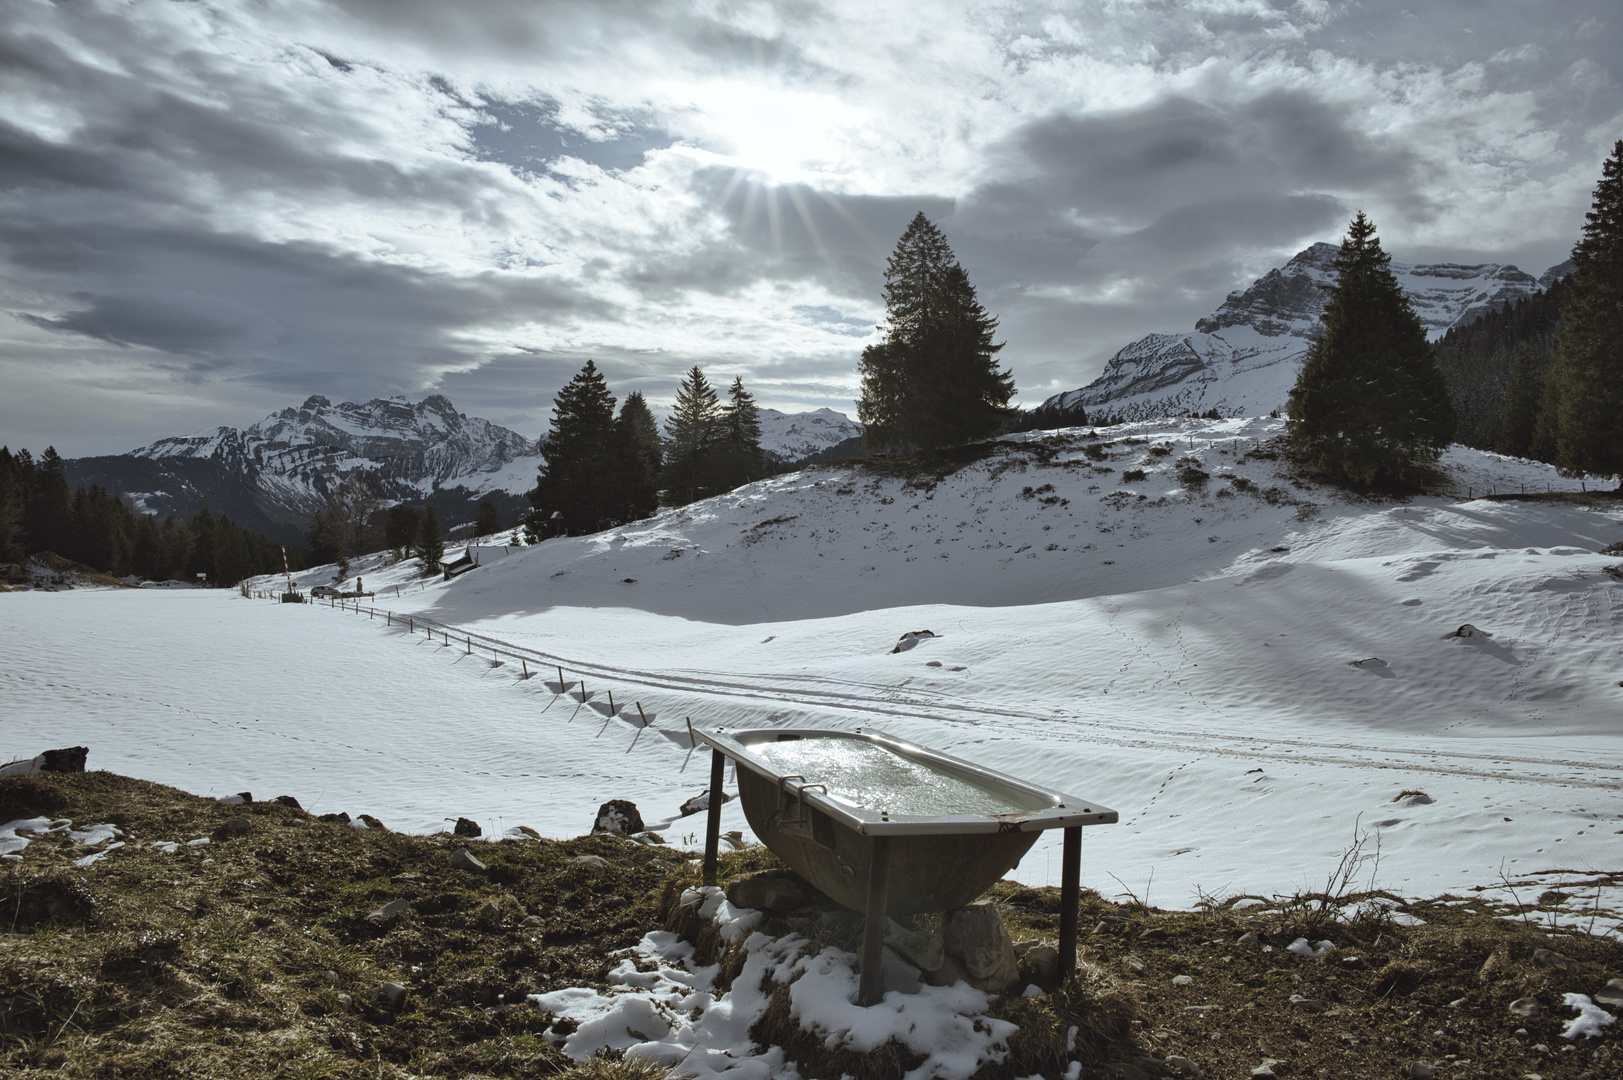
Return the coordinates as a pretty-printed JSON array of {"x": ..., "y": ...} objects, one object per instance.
[
  {"x": 274, "y": 474},
  {"x": 1242, "y": 359}
]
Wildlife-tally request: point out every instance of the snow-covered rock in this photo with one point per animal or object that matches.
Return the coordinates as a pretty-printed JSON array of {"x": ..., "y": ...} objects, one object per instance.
[{"x": 1242, "y": 359}]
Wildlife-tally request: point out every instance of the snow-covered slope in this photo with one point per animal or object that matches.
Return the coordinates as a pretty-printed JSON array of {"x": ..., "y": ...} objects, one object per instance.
[
  {"x": 276, "y": 472},
  {"x": 1243, "y": 358},
  {"x": 1251, "y": 669},
  {"x": 788, "y": 437}
]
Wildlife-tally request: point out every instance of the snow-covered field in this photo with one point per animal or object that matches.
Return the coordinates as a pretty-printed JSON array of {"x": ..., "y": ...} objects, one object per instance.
[{"x": 1184, "y": 654}]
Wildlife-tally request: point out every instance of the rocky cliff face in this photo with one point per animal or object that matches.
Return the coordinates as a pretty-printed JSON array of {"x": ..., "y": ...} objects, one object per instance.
[
  {"x": 273, "y": 475},
  {"x": 1242, "y": 359}
]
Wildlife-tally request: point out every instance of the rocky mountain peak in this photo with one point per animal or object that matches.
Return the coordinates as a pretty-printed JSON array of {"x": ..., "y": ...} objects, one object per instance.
[{"x": 1242, "y": 359}]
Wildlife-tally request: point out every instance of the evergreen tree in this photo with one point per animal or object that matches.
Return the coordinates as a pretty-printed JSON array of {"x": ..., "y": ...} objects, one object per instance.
[
  {"x": 48, "y": 505},
  {"x": 400, "y": 528},
  {"x": 1524, "y": 394},
  {"x": 1588, "y": 366},
  {"x": 13, "y": 485},
  {"x": 1370, "y": 402},
  {"x": 692, "y": 438},
  {"x": 325, "y": 537},
  {"x": 934, "y": 380},
  {"x": 641, "y": 458},
  {"x": 741, "y": 459},
  {"x": 200, "y": 550},
  {"x": 574, "y": 492},
  {"x": 430, "y": 543},
  {"x": 487, "y": 520}
]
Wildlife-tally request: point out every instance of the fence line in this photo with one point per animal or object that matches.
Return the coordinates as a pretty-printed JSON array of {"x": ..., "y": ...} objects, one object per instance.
[{"x": 497, "y": 649}]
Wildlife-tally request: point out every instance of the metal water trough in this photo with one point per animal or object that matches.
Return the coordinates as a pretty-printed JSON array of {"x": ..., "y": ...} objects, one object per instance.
[{"x": 888, "y": 827}]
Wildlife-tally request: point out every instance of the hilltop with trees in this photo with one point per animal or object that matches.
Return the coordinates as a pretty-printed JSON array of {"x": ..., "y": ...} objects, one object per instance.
[
  {"x": 1370, "y": 404},
  {"x": 934, "y": 380}
]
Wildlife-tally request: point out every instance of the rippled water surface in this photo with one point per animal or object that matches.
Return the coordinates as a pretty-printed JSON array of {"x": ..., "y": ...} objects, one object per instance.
[{"x": 863, "y": 774}]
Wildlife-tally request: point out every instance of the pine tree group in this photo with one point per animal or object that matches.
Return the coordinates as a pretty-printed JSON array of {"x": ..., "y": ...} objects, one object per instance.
[
  {"x": 597, "y": 472},
  {"x": 1370, "y": 403},
  {"x": 934, "y": 380},
  {"x": 39, "y": 513},
  {"x": 1587, "y": 372}
]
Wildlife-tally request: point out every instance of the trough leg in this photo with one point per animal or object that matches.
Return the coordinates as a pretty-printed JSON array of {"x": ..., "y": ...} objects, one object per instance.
[
  {"x": 873, "y": 930},
  {"x": 1070, "y": 891},
  {"x": 712, "y": 828}
]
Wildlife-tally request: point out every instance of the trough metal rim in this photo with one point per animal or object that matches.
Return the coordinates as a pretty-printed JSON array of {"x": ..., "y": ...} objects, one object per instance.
[{"x": 1065, "y": 811}]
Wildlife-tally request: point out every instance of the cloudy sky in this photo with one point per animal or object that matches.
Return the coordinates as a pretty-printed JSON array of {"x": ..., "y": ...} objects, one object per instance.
[{"x": 210, "y": 210}]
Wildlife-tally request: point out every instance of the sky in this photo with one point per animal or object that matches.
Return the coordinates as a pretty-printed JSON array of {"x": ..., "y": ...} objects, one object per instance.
[{"x": 210, "y": 211}]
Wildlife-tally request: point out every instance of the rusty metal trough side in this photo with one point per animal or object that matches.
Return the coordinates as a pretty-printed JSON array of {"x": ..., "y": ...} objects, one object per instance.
[{"x": 936, "y": 872}]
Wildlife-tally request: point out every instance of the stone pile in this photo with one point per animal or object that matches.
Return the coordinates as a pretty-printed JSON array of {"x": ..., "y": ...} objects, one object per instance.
[{"x": 972, "y": 946}]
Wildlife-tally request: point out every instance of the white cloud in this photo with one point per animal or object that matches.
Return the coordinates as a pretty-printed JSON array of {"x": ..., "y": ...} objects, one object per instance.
[{"x": 483, "y": 181}]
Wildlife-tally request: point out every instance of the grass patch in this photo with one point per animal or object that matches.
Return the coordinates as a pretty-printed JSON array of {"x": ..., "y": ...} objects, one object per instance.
[{"x": 254, "y": 957}]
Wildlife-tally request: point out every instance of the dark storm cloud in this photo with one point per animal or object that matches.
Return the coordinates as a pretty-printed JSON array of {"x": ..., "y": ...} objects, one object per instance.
[{"x": 288, "y": 316}]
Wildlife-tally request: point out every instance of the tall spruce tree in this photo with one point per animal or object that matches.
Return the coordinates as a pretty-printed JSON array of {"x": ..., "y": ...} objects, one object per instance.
[
  {"x": 1370, "y": 403},
  {"x": 13, "y": 485},
  {"x": 487, "y": 520},
  {"x": 48, "y": 505},
  {"x": 692, "y": 439},
  {"x": 637, "y": 444},
  {"x": 1587, "y": 372},
  {"x": 574, "y": 493},
  {"x": 934, "y": 380},
  {"x": 430, "y": 541},
  {"x": 741, "y": 458}
]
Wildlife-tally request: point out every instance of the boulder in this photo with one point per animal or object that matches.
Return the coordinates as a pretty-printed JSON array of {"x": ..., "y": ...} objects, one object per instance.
[
  {"x": 911, "y": 640},
  {"x": 699, "y": 803},
  {"x": 976, "y": 935},
  {"x": 231, "y": 829},
  {"x": 467, "y": 827},
  {"x": 950, "y": 973},
  {"x": 1552, "y": 959},
  {"x": 390, "y": 910},
  {"x": 68, "y": 759},
  {"x": 592, "y": 864},
  {"x": 1611, "y": 994},
  {"x": 924, "y": 951},
  {"x": 618, "y": 816},
  {"x": 464, "y": 860},
  {"x": 1042, "y": 960},
  {"x": 390, "y": 996},
  {"x": 339, "y": 818},
  {"x": 372, "y": 822},
  {"x": 767, "y": 892},
  {"x": 288, "y": 801},
  {"x": 1527, "y": 1008}
]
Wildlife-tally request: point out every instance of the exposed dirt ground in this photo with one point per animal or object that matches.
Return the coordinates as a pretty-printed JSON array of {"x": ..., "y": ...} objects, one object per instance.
[{"x": 254, "y": 956}]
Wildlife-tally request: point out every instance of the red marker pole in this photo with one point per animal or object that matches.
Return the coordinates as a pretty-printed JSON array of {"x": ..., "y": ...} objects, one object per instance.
[{"x": 285, "y": 570}]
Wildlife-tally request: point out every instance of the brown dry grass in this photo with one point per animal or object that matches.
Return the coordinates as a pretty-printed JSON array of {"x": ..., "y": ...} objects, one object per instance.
[{"x": 254, "y": 958}]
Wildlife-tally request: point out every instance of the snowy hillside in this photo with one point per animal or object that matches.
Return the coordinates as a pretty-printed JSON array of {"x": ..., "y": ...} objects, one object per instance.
[
  {"x": 1243, "y": 358},
  {"x": 1250, "y": 668},
  {"x": 788, "y": 437}
]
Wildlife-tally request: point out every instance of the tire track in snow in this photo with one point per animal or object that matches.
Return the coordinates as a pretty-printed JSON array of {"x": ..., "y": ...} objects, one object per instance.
[{"x": 946, "y": 709}]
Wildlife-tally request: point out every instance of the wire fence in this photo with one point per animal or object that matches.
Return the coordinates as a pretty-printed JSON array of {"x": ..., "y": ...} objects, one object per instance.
[{"x": 532, "y": 662}]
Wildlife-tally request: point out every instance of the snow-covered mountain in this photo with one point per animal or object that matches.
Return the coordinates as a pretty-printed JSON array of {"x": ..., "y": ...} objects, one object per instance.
[
  {"x": 1242, "y": 359},
  {"x": 788, "y": 437},
  {"x": 273, "y": 475}
]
